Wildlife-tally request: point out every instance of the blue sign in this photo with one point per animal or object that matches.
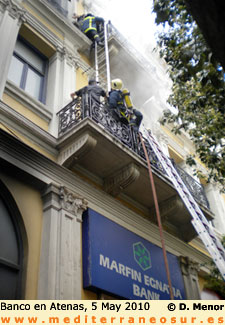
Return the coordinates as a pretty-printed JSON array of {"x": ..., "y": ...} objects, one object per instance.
[{"x": 117, "y": 261}]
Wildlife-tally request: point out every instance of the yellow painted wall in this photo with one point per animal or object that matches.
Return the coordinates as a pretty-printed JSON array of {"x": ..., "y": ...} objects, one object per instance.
[
  {"x": 43, "y": 21},
  {"x": 175, "y": 155},
  {"x": 37, "y": 40},
  {"x": 201, "y": 283},
  {"x": 79, "y": 8},
  {"x": 172, "y": 136},
  {"x": 81, "y": 79},
  {"x": 88, "y": 295},
  {"x": 29, "y": 204},
  {"x": 28, "y": 142},
  {"x": 85, "y": 58},
  {"x": 25, "y": 111}
]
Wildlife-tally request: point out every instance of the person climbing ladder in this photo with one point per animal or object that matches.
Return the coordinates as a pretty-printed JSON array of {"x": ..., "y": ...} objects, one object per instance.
[{"x": 89, "y": 25}]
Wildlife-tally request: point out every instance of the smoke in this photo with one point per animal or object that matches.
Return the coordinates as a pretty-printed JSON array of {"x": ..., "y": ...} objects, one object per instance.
[{"x": 135, "y": 21}]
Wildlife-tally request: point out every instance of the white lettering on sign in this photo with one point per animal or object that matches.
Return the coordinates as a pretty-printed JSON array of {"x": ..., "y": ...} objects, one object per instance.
[
  {"x": 120, "y": 268},
  {"x": 145, "y": 293},
  {"x": 161, "y": 286},
  {"x": 137, "y": 276}
]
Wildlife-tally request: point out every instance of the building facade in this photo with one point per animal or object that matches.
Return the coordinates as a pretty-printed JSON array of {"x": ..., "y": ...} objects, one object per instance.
[{"x": 76, "y": 204}]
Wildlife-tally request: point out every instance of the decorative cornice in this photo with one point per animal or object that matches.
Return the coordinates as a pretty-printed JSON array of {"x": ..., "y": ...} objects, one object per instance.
[
  {"x": 172, "y": 206},
  {"x": 74, "y": 59},
  {"x": 188, "y": 266},
  {"x": 121, "y": 179},
  {"x": 69, "y": 56},
  {"x": 14, "y": 10},
  {"x": 70, "y": 154},
  {"x": 72, "y": 203}
]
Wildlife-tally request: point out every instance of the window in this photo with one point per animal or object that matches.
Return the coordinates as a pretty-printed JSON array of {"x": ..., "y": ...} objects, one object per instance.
[
  {"x": 11, "y": 247},
  {"x": 28, "y": 70}
]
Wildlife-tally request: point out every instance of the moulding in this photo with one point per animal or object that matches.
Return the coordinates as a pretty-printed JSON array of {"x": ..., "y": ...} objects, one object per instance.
[
  {"x": 27, "y": 128},
  {"x": 15, "y": 152},
  {"x": 72, "y": 203},
  {"x": 26, "y": 100},
  {"x": 71, "y": 56},
  {"x": 121, "y": 179},
  {"x": 77, "y": 149},
  {"x": 15, "y": 11}
]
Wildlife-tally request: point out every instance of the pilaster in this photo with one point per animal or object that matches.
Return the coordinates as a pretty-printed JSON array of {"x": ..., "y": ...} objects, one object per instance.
[
  {"x": 11, "y": 20},
  {"x": 61, "y": 82},
  {"x": 189, "y": 270},
  {"x": 60, "y": 265}
]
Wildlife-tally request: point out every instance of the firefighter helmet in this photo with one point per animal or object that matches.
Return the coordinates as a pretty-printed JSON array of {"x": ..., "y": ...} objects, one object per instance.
[{"x": 116, "y": 84}]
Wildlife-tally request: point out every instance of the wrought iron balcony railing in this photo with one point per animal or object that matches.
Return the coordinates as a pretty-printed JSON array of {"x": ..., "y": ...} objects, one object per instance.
[
  {"x": 87, "y": 107},
  {"x": 196, "y": 189}
]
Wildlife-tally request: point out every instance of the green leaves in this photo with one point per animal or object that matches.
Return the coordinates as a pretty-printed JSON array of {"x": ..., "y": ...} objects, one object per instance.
[{"x": 198, "y": 90}]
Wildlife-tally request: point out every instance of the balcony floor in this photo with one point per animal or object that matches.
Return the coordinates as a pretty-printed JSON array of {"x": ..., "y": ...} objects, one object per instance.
[{"x": 119, "y": 171}]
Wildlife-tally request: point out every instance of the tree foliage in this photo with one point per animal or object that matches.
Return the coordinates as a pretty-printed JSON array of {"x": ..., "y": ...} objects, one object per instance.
[{"x": 198, "y": 90}]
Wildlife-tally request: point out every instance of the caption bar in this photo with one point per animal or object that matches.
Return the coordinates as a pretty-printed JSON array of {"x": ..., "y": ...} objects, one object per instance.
[{"x": 112, "y": 312}]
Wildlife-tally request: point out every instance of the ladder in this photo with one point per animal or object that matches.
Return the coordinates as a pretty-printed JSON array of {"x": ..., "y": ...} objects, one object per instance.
[
  {"x": 102, "y": 66},
  {"x": 199, "y": 221}
]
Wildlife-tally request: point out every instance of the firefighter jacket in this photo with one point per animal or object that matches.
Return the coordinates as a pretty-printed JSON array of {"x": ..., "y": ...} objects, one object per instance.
[
  {"x": 116, "y": 99},
  {"x": 90, "y": 23}
]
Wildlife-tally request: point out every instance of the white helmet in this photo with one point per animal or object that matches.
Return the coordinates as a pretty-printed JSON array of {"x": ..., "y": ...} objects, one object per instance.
[{"x": 116, "y": 84}]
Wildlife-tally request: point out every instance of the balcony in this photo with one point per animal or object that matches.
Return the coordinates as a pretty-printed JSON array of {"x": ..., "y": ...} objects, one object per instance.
[{"x": 102, "y": 150}]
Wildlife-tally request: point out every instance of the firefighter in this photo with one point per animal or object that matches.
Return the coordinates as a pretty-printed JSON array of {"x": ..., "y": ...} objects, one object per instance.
[
  {"x": 122, "y": 107},
  {"x": 89, "y": 25},
  {"x": 116, "y": 102},
  {"x": 93, "y": 90}
]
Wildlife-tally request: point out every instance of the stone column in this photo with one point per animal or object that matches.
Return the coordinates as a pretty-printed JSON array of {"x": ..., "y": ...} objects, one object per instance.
[
  {"x": 217, "y": 206},
  {"x": 189, "y": 271},
  {"x": 11, "y": 18},
  {"x": 60, "y": 264},
  {"x": 54, "y": 97},
  {"x": 61, "y": 83}
]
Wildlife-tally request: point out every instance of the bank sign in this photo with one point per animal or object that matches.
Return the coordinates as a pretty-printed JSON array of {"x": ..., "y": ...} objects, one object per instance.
[{"x": 122, "y": 263}]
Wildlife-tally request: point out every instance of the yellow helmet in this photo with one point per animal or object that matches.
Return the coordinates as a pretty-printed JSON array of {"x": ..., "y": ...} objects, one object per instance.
[{"x": 116, "y": 84}]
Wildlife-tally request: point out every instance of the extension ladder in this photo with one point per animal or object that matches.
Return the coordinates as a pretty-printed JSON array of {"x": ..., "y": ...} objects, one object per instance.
[
  {"x": 199, "y": 221},
  {"x": 102, "y": 67}
]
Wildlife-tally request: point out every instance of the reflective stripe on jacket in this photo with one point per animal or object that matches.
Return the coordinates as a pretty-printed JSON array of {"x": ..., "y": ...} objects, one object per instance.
[{"x": 88, "y": 24}]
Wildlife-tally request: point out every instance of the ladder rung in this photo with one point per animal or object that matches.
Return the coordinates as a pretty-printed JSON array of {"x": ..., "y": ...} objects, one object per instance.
[{"x": 199, "y": 221}]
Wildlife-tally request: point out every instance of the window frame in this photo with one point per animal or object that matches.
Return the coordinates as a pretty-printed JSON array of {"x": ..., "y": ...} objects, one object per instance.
[{"x": 27, "y": 65}]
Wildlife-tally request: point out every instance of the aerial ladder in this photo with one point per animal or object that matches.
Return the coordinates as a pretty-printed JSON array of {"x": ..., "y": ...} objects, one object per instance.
[{"x": 199, "y": 221}]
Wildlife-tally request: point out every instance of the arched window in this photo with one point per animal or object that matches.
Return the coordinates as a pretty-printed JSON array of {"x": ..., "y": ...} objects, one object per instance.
[{"x": 11, "y": 247}]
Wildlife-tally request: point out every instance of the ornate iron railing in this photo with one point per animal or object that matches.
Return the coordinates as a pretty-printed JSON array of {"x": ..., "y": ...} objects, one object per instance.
[
  {"x": 88, "y": 107},
  {"x": 194, "y": 187}
]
